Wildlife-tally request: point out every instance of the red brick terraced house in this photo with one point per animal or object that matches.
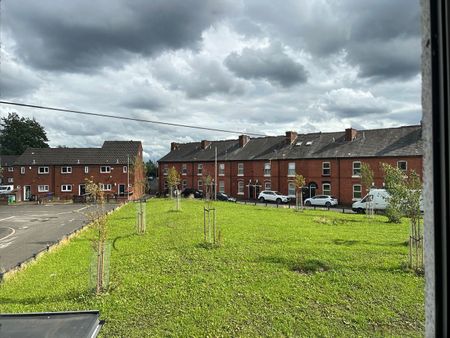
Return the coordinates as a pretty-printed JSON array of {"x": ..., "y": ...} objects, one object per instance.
[
  {"x": 330, "y": 162},
  {"x": 7, "y": 171},
  {"x": 61, "y": 172}
]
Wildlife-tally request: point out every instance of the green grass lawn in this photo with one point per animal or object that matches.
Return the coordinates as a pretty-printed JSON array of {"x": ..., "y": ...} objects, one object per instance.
[{"x": 277, "y": 273}]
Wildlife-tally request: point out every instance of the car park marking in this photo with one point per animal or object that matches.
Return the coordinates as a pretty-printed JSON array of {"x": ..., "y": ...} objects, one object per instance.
[
  {"x": 12, "y": 233},
  {"x": 4, "y": 219},
  {"x": 5, "y": 244}
]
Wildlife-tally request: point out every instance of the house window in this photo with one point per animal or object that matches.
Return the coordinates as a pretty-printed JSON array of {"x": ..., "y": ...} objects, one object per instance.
[
  {"x": 291, "y": 169},
  {"x": 357, "y": 191},
  {"x": 356, "y": 169},
  {"x": 267, "y": 186},
  {"x": 166, "y": 169},
  {"x": 43, "y": 188},
  {"x": 267, "y": 169},
  {"x": 10, "y": 169},
  {"x": 10, "y": 180},
  {"x": 22, "y": 170},
  {"x": 221, "y": 186},
  {"x": 86, "y": 169},
  {"x": 184, "y": 169},
  {"x": 402, "y": 165},
  {"x": 66, "y": 188},
  {"x": 165, "y": 185},
  {"x": 105, "y": 187},
  {"x": 326, "y": 189},
  {"x": 124, "y": 169},
  {"x": 221, "y": 169},
  {"x": 291, "y": 189},
  {"x": 66, "y": 170},
  {"x": 199, "y": 169},
  {"x": 200, "y": 185},
  {"x": 240, "y": 188},
  {"x": 183, "y": 184},
  {"x": 241, "y": 170},
  {"x": 43, "y": 170},
  {"x": 326, "y": 168},
  {"x": 104, "y": 169}
]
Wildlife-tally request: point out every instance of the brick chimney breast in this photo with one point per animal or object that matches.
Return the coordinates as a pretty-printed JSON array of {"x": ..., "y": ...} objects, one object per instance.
[
  {"x": 205, "y": 144},
  {"x": 173, "y": 146},
  {"x": 350, "y": 134},
  {"x": 291, "y": 136},
  {"x": 243, "y": 140}
]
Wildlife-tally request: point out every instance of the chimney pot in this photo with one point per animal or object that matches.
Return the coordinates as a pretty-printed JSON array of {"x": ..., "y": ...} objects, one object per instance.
[
  {"x": 173, "y": 146},
  {"x": 205, "y": 144},
  {"x": 291, "y": 136},
  {"x": 243, "y": 140},
  {"x": 350, "y": 134}
]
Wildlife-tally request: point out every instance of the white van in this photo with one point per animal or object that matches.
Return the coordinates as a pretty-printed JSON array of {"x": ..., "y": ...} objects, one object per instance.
[
  {"x": 379, "y": 199},
  {"x": 6, "y": 189}
]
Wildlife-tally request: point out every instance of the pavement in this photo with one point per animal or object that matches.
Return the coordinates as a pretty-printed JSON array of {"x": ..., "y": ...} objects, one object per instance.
[{"x": 27, "y": 229}]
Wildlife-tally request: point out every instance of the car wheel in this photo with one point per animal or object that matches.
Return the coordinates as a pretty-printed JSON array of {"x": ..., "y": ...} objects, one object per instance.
[
  {"x": 360, "y": 211},
  {"x": 308, "y": 203},
  {"x": 278, "y": 200},
  {"x": 328, "y": 204},
  {"x": 261, "y": 199}
]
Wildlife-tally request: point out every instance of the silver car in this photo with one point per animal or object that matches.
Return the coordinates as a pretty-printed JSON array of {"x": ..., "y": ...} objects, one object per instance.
[{"x": 322, "y": 200}]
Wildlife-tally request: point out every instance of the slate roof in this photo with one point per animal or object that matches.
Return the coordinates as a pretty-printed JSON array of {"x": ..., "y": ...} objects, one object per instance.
[
  {"x": 7, "y": 160},
  {"x": 112, "y": 152},
  {"x": 388, "y": 142}
]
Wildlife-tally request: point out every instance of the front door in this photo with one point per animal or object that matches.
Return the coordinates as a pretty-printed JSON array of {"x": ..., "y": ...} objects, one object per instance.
[
  {"x": 26, "y": 192},
  {"x": 82, "y": 189},
  {"x": 121, "y": 189}
]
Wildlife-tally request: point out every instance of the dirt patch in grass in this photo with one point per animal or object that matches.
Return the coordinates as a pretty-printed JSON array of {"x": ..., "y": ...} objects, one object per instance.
[{"x": 310, "y": 266}]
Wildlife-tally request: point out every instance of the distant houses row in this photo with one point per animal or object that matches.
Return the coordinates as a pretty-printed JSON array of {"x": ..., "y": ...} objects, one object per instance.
[
  {"x": 330, "y": 162},
  {"x": 62, "y": 172}
]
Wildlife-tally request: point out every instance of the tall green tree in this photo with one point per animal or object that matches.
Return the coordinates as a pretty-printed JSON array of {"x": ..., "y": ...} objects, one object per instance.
[
  {"x": 151, "y": 168},
  {"x": 18, "y": 133}
]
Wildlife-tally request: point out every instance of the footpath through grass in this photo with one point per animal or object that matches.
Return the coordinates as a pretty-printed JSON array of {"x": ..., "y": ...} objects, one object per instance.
[{"x": 277, "y": 273}]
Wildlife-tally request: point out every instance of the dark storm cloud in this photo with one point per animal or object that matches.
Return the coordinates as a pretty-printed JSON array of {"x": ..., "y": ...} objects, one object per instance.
[
  {"x": 78, "y": 36},
  {"x": 269, "y": 63},
  {"x": 381, "y": 37},
  {"x": 143, "y": 102}
]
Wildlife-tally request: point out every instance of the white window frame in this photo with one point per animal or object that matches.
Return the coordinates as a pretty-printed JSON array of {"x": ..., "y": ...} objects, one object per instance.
[
  {"x": 10, "y": 180},
  {"x": 406, "y": 165},
  {"x": 166, "y": 185},
  {"x": 105, "y": 186},
  {"x": 43, "y": 188},
  {"x": 66, "y": 187},
  {"x": 166, "y": 169},
  {"x": 240, "y": 171},
  {"x": 124, "y": 169},
  {"x": 326, "y": 166},
  {"x": 356, "y": 191},
  {"x": 183, "y": 184},
  {"x": 267, "y": 169},
  {"x": 268, "y": 185},
  {"x": 105, "y": 169},
  {"x": 326, "y": 191},
  {"x": 291, "y": 187},
  {"x": 356, "y": 172},
  {"x": 86, "y": 169},
  {"x": 199, "y": 169},
  {"x": 240, "y": 187},
  {"x": 221, "y": 169},
  {"x": 66, "y": 170},
  {"x": 200, "y": 185},
  {"x": 291, "y": 169},
  {"x": 222, "y": 186},
  {"x": 44, "y": 171},
  {"x": 22, "y": 170},
  {"x": 10, "y": 169},
  {"x": 184, "y": 169}
]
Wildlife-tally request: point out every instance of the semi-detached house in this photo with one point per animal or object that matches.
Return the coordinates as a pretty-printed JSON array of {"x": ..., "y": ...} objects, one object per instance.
[
  {"x": 330, "y": 162},
  {"x": 62, "y": 172}
]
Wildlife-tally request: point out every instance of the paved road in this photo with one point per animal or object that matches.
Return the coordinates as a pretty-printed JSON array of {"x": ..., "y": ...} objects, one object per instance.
[
  {"x": 347, "y": 210},
  {"x": 26, "y": 230}
]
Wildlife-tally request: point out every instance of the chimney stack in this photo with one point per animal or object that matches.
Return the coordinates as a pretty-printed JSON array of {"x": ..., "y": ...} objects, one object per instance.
[
  {"x": 350, "y": 134},
  {"x": 243, "y": 140},
  {"x": 291, "y": 136},
  {"x": 173, "y": 146},
  {"x": 205, "y": 144}
]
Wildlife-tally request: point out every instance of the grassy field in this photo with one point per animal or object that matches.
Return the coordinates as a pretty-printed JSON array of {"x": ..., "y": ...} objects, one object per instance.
[{"x": 277, "y": 273}]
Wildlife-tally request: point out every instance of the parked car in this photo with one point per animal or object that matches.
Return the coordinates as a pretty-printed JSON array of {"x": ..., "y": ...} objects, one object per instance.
[
  {"x": 191, "y": 191},
  {"x": 6, "y": 189},
  {"x": 272, "y": 196},
  {"x": 322, "y": 200},
  {"x": 224, "y": 197}
]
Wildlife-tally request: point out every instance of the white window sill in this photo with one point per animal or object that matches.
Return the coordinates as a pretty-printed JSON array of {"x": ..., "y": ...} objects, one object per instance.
[
  {"x": 221, "y": 174},
  {"x": 267, "y": 175},
  {"x": 290, "y": 175},
  {"x": 184, "y": 174},
  {"x": 240, "y": 193},
  {"x": 240, "y": 175},
  {"x": 356, "y": 176}
]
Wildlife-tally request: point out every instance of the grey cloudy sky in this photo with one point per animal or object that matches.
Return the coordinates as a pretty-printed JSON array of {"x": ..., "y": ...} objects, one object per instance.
[{"x": 251, "y": 65}]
